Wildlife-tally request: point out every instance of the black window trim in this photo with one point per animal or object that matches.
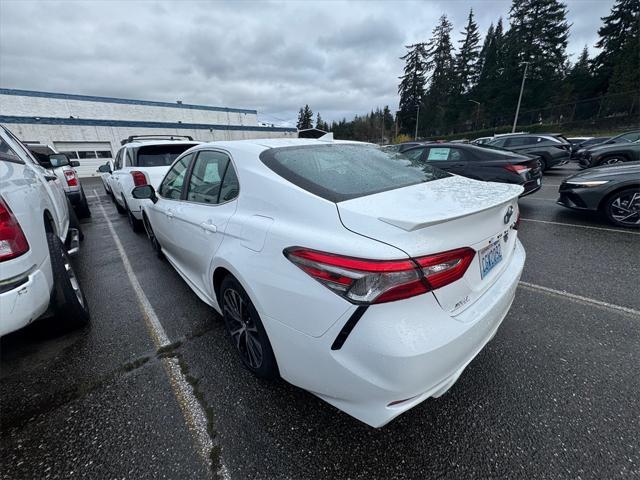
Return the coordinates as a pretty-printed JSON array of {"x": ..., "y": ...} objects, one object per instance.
[{"x": 185, "y": 191}]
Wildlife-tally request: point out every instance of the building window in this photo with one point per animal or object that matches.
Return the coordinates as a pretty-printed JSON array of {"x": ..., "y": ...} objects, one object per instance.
[
  {"x": 87, "y": 154},
  {"x": 104, "y": 154},
  {"x": 71, "y": 155}
]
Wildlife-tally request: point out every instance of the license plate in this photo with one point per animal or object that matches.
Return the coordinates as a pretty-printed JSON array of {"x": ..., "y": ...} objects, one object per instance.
[{"x": 490, "y": 256}]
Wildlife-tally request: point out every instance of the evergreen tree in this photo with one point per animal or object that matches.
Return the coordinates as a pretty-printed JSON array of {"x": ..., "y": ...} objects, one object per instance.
[
  {"x": 440, "y": 64},
  {"x": 579, "y": 80},
  {"x": 412, "y": 85},
  {"x": 617, "y": 66},
  {"x": 466, "y": 63},
  {"x": 319, "y": 123},
  {"x": 305, "y": 118}
]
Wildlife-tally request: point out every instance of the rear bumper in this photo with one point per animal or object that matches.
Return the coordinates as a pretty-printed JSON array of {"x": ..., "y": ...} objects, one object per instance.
[
  {"x": 531, "y": 186},
  {"x": 402, "y": 352},
  {"x": 25, "y": 302}
]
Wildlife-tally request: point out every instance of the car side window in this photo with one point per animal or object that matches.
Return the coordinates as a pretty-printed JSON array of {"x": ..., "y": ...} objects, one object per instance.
[
  {"x": 171, "y": 186},
  {"x": 118, "y": 161},
  {"x": 127, "y": 158},
  {"x": 498, "y": 143},
  {"x": 458, "y": 155},
  {"x": 414, "y": 153},
  {"x": 230, "y": 185},
  {"x": 519, "y": 141},
  {"x": 207, "y": 175},
  {"x": 7, "y": 154}
]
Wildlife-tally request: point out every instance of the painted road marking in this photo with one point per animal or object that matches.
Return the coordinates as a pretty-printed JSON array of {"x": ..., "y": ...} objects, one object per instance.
[
  {"x": 628, "y": 232},
  {"x": 580, "y": 298},
  {"x": 192, "y": 411}
]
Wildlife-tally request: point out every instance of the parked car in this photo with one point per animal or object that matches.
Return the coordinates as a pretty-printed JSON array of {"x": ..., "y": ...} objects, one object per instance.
[
  {"x": 578, "y": 144},
  {"x": 63, "y": 168},
  {"x": 623, "y": 138},
  {"x": 481, "y": 163},
  {"x": 105, "y": 175},
  {"x": 612, "y": 190},
  {"x": 37, "y": 237},
  {"x": 610, "y": 154},
  {"x": 342, "y": 267},
  {"x": 142, "y": 160},
  {"x": 553, "y": 149}
]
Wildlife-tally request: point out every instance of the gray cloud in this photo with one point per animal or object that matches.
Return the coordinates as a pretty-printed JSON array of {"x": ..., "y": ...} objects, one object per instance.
[{"x": 342, "y": 58}]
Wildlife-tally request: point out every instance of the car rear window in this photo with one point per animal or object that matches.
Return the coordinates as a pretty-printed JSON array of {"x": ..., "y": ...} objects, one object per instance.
[
  {"x": 345, "y": 171},
  {"x": 160, "y": 155}
]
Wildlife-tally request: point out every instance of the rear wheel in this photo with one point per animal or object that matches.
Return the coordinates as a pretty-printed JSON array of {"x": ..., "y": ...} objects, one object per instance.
[
  {"x": 69, "y": 302},
  {"x": 613, "y": 160},
  {"x": 152, "y": 236},
  {"x": 121, "y": 210},
  {"x": 83, "y": 206},
  {"x": 623, "y": 208},
  {"x": 245, "y": 330}
]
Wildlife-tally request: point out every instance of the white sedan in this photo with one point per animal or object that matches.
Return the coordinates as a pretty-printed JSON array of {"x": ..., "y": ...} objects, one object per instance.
[{"x": 355, "y": 273}]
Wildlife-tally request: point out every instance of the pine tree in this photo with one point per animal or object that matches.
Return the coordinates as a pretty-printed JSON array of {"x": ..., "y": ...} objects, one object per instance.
[
  {"x": 412, "y": 85},
  {"x": 579, "y": 79},
  {"x": 617, "y": 66},
  {"x": 305, "y": 118},
  {"x": 319, "y": 123},
  {"x": 441, "y": 85},
  {"x": 466, "y": 62}
]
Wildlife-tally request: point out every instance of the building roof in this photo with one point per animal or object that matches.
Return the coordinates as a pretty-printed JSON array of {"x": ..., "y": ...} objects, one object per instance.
[{"x": 126, "y": 101}]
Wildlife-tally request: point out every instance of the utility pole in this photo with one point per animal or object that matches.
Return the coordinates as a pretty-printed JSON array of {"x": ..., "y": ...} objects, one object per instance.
[
  {"x": 524, "y": 75},
  {"x": 415, "y": 137},
  {"x": 477, "y": 112}
]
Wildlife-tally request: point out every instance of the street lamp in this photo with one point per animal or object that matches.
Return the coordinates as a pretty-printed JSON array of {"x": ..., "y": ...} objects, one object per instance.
[
  {"x": 477, "y": 111},
  {"x": 524, "y": 75}
]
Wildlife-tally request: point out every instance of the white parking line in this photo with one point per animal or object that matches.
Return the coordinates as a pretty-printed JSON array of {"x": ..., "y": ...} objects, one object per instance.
[
  {"x": 194, "y": 415},
  {"x": 580, "y": 298},
  {"x": 628, "y": 232}
]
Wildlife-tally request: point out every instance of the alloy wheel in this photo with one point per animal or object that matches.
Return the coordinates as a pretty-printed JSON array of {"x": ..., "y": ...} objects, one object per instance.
[
  {"x": 242, "y": 328},
  {"x": 612, "y": 161},
  {"x": 625, "y": 208},
  {"x": 73, "y": 280}
]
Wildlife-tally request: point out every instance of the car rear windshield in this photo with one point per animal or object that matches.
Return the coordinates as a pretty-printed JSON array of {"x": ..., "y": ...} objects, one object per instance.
[
  {"x": 160, "y": 155},
  {"x": 345, "y": 171}
]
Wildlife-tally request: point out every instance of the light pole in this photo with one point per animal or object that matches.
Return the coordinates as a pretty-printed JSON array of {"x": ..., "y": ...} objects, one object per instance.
[
  {"x": 477, "y": 111},
  {"x": 415, "y": 137},
  {"x": 524, "y": 75}
]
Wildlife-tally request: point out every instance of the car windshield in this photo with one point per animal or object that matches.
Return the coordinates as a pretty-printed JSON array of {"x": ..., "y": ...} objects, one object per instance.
[
  {"x": 345, "y": 171},
  {"x": 160, "y": 155}
]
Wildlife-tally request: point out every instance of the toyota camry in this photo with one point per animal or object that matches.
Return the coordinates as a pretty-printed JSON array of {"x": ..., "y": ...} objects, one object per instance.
[{"x": 365, "y": 277}]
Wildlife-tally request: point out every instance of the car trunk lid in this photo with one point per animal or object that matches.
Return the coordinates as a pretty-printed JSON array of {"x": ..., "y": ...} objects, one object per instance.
[{"x": 438, "y": 216}]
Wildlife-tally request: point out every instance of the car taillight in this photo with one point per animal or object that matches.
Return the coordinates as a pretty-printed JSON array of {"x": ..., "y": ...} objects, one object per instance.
[
  {"x": 13, "y": 243},
  {"x": 377, "y": 281},
  {"x": 139, "y": 178},
  {"x": 71, "y": 178},
  {"x": 517, "y": 168}
]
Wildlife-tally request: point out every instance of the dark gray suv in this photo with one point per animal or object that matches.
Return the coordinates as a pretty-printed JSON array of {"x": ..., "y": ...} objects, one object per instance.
[{"x": 552, "y": 150}]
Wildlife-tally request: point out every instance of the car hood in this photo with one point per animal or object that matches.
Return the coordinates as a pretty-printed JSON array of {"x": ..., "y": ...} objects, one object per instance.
[
  {"x": 629, "y": 169},
  {"x": 603, "y": 148}
]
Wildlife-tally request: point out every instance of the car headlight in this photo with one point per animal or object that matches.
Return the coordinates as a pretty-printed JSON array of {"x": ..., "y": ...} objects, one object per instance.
[{"x": 589, "y": 183}]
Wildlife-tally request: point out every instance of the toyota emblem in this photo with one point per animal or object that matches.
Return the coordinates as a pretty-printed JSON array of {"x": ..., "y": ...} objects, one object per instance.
[{"x": 507, "y": 216}]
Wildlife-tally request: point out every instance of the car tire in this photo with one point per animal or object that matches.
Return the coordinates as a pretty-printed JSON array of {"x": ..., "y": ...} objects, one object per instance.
[
  {"x": 245, "y": 331},
  {"x": 622, "y": 203},
  {"x": 152, "y": 237},
  {"x": 74, "y": 222},
  {"x": 83, "y": 206},
  {"x": 121, "y": 210},
  {"x": 612, "y": 160},
  {"x": 68, "y": 300},
  {"x": 543, "y": 164},
  {"x": 134, "y": 223}
]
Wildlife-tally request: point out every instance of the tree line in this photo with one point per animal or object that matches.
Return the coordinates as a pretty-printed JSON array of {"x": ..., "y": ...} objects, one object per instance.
[{"x": 476, "y": 85}]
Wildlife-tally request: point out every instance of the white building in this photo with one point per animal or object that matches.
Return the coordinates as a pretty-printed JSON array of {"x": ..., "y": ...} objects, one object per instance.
[{"x": 90, "y": 129}]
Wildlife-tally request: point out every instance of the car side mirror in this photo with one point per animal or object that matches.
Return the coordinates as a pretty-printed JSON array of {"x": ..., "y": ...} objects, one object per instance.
[
  {"x": 145, "y": 192},
  {"x": 75, "y": 163},
  {"x": 58, "y": 160},
  {"x": 106, "y": 168}
]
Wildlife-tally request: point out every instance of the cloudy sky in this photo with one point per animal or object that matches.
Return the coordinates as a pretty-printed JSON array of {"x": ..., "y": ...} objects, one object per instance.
[{"x": 339, "y": 57}]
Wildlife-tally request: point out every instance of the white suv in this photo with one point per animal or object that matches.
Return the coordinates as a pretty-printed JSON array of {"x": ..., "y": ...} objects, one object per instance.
[
  {"x": 37, "y": 235},
  {"x": 143, "y": 160}
]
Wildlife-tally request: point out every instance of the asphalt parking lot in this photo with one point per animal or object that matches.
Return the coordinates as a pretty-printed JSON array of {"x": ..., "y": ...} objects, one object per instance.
[{"x": 556, "y": 394}]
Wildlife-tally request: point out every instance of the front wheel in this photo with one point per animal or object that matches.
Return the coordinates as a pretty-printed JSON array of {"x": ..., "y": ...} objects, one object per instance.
[
  {"x": 152, "y": 237},
  {"x": 245, "y": 330},
  {"x": 69, "y": 302},
  {"x": 623, "y": 208}
]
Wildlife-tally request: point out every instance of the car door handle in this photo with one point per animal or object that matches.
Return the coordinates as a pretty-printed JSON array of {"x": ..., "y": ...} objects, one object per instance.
[
  {"x": 209, "y": 227},
  {"x": 50, "y": 178},
  {"x": 169, "y": 213}
]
